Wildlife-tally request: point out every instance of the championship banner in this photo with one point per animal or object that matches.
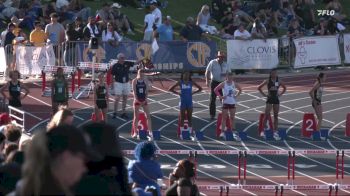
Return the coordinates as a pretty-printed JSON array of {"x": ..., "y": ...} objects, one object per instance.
[
  {"x": 252, "y": 54},
  {"x": 347, "y": 48},
  {"x": 169, "y": 56},
  {"x": 316, "y": 51},
  {"x": 3, "y": 63},
  {"x": 30, "y": 60}
]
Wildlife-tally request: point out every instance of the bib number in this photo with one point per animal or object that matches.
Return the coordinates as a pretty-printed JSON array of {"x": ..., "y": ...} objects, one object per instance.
[
  {"x": 141, "y": 90},
  {"x": 60, "y": 90}
]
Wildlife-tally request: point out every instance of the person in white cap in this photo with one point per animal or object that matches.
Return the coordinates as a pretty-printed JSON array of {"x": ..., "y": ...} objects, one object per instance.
[
  {"x": 165, "y": 32},
  {"x": 156, "y": 12}
]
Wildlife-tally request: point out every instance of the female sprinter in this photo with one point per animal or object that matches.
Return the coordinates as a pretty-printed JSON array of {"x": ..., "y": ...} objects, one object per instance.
[
  {"x": 101, "y": 98},
  {"x": 230, "y": 91},
  {"x": 59, "y": 91},
  {"x": 316, "y": 96},
  {"x": 186, "y": 105},
  {"x": 14, "y": 87},
  {"x": 140, "y": 91},
  {"x": 272, "y": 102}
]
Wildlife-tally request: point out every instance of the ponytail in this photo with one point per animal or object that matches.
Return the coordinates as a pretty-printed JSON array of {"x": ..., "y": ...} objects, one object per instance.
[{"x": 320, "y": 76}]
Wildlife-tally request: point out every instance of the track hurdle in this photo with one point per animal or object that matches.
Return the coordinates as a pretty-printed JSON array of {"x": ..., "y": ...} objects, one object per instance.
[{"x": 17, "y": 115}]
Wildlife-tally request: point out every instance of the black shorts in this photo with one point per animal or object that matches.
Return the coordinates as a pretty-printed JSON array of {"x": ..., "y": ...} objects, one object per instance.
[
  {"x": 273, "y": 100},
  {"x": 228, "y": 106},
  {"x": 316, "y": 103},
  {"x": 101, "y": 104},
  {"x": 15, "y": 103}
]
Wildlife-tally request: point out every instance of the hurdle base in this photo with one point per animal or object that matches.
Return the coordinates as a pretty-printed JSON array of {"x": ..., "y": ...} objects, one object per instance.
[
  {"x": 156, "y": 135},
  {"x": 143, "y": 135},
  {"x": 242, "y": 135},
  {"x": 199, "y": 135},
  {"x": 185, "y": 135},
  {"x": 324, "y": 134},
  {"x": 283, "y": 134},
  {"x": 228, "y": 135},
  {"x": 268, "y": 134},
  {"x": 316, "y": 136}
]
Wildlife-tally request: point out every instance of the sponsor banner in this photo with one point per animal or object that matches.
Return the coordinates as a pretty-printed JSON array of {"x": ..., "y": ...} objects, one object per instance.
[
  {"x": 252, "y": 54},
  {"x": 347, "y": 48},
  {"x": 3, "y": 63},
  {"x": 316, "y": 51},
  {"x": 169, "y": 55},
  {"x": 30, "y": 60}
]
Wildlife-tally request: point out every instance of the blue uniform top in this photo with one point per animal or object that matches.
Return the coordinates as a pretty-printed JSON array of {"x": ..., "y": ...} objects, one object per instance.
[
  {"x": 141, "y": 90},
  {"x": 186, "y": 92}
]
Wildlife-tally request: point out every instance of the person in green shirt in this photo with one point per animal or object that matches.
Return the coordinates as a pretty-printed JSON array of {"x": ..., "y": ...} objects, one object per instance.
[{"x": 59, "y": 91}]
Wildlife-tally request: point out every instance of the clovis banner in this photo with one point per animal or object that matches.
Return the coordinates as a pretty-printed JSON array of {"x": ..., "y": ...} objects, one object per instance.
[
  {"x": 252, "y": 54},
  {"x": 347, "y": 48},
  {"x": 170, "y": 55},
  {"x": 316, "y": 51},
  {"x": 30, "y": 60}
]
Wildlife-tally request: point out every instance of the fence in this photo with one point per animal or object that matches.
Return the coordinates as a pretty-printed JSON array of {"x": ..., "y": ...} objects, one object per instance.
[{"x": 171, "y": 57}]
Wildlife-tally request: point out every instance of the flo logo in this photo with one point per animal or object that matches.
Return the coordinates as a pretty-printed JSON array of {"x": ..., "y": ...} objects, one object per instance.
[
  {"x": 325, "y": 12},
  {"x": 198, "y": 53}
]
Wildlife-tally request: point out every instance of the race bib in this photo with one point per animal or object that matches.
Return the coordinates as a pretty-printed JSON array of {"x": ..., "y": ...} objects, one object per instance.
[
  {"x": 124, "y": 79},
  {"x": 276, "y": 84},
  {"x": 141, "y": 90},
  {"x": 18, "y": 88}
]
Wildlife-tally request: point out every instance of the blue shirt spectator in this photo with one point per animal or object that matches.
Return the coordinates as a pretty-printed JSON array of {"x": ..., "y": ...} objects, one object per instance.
[
  {"x": 165, "y": 31},
  {"x": 144, "y": 171}
]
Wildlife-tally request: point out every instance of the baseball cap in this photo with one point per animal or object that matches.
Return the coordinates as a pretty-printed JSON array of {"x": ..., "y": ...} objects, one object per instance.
[
  {"x": 168, "y": 17},
  {"x": 68, "y": 137}
]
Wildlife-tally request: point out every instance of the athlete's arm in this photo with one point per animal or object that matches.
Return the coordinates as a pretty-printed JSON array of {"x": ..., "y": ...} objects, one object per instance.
[
  {"x": 218, "y": 88},
  {"x": 172, "y": 88},
  {"x": 2, "y": 90},
  {"x": 261, "y": 86},
  {"x": 284, "y": 88},
  {"x": 239, "y": 90},
  {"x": 199, "y": 88},
  {"x": 26, "y": 89},
  {"x": 312, "y": 91}
]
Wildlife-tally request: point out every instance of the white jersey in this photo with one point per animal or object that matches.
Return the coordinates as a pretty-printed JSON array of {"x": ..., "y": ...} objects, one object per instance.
[{"x": 229, "y": 91}]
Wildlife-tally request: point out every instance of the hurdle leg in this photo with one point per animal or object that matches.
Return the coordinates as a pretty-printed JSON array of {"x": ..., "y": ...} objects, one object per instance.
[
  {"x": 239, "y": 166},
  {"x": 337, "y": 167},
  {"x": 342, "y": 167},
  {"x": 293, "y": 167},
  {"x": 288, "y": 166},
  {"x": 245, "y": 168}
]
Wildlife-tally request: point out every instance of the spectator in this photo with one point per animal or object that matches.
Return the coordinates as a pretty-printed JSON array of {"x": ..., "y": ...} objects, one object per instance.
[
  {"x": 5, "y": 119},
  {"x": 80, "y": 10},
  {"x": 121, "y": 84},
  {"x": 156, "y": 12},
  {"x": 203, "y": 20},
  {"x": 110, "y": 36},
  {"x": 110, "y": 172},
  {"x": 334, "y": 27},
  {"x": 70, "y": 52},
  {"x": 10, "y": 173},
  {"x": 184, "y": 169},
  {"x": 191, "y": 32},
  {"x": 305, "y": 12},
  {"x": 258, "y": 30},
  {"x": 121, "y": 21},
  {"x": 230, "y": 25},
  {"x": 241, "y": 33},
  {"x": 62, "y": 117},
  {"x": 321, "y": 28},
  {"x": 235, "y": 8},
  {"x": 78, "y": 27},
  {"x": 165, "y": 31},
  {"x": 38, "y": 37},
  {"x": 103, "y": 14},
  {"x": 55, "y": 32},
  {"x": 91, "y": 29},
  {"x": 10, "y": 147},
  {"x": 338, "y": 9},
  {"x": 148, "y": 27},
  {"x": 13, "y": 134},
  {"x": 55, "y": 162},
  {"x": 9, "y": 36},
  {"x": 294, "y": 30},
  {"x": 186, "y": 187},
  {"x": 144, "y": 171},
  {"x": 217, "y": 10}
]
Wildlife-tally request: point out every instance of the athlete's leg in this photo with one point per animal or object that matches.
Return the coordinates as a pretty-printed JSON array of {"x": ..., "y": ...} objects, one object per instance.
[
  {"x": 276, "y": 108},
  {"x": 232, "y": 112},
  {"x": 189, "y": 117},
  {"x": 148, "y": 116},
  {"x": 267, "y": 113},
  {"x": 223, "y": 119},
  {"x": 136, "y": 118},
  {"x": 319, "y": 114},
  {"x": 104, "y": 113}
]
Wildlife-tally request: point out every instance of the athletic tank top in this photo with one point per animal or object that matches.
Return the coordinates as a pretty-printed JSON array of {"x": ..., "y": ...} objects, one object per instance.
[
  {"x": 141, "y": 90},
  {"x": 272, "y": 87},
  {"x": 60, "y": 90},
  {"x": 186, "y": 91},
  {"x": 101, "y": 93},
  {"x": 318, "y": 93},
  {"x": 229, "y": 91},
  {"x": 15, "y": 90}
]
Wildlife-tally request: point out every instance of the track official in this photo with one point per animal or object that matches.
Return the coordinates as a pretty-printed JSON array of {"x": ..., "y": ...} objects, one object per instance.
[{"x": 214, "y": 75}]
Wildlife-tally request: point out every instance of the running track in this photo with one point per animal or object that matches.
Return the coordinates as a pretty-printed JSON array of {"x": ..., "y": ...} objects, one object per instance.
[{"x": 222, "y": 169}]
